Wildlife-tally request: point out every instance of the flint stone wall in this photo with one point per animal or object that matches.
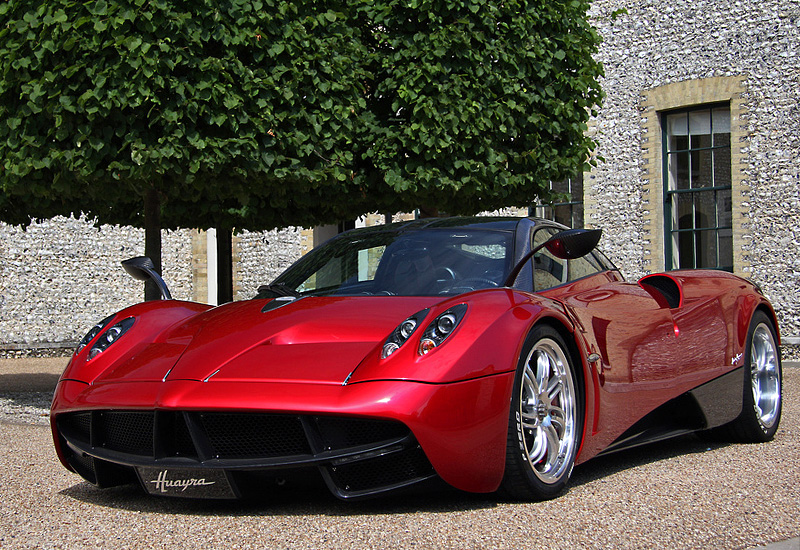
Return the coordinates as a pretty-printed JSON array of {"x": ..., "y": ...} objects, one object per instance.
[
  {"x": 59, "y": 277},
  {"x": 263, "y": 256}
]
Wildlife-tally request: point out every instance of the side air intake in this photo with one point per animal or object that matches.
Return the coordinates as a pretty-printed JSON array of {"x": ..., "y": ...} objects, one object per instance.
[{"x": 664, "y": 289}]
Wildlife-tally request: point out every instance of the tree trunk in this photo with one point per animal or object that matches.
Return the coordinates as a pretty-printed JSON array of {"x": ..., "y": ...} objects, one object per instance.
[
  {"x": 224, "y": 266},
  {"x": 152, "y": 239}
]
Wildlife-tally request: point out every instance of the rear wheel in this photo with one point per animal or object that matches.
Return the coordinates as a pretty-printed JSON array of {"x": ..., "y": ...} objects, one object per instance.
[
  {"x": 544, "y": 423},
  {"x": 763, "y": 388}
]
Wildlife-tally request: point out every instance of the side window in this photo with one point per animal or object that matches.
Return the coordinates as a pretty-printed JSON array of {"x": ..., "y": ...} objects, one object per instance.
[
  {"x": 549, "y": 271},
  {"x": 583, "y": 267},
  {"x": 552, "y": 271}
]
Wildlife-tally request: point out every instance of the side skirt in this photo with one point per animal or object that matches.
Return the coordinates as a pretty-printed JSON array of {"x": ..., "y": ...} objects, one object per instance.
[{"x": 707, "y": 406}]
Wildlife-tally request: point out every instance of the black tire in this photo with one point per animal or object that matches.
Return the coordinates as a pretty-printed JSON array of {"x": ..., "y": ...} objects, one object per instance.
[
  {"x": 544, "y": 427},
  {"x": 762, "y": 397}
]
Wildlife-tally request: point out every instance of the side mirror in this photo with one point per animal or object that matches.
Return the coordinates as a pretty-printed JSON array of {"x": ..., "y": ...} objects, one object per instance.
[
  {"x": 567, "y": 245},
  {"x": 142, "y": 269},
  {"x": 572, "y": 243}
]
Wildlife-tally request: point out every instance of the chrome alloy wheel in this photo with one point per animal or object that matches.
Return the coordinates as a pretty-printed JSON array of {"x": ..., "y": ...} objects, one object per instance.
[
  {"x": 547, "y": 415},
  {"x": 765, "y": 375}
]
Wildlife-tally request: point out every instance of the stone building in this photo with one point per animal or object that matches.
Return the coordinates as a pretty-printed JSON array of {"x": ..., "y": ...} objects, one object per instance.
[
  {"x": 700, "y": 140},
  {"x": 700, "y": 132}
]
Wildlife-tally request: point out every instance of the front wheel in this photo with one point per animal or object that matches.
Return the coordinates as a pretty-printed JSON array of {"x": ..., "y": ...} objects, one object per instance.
[{"x": 545, "y": 421}]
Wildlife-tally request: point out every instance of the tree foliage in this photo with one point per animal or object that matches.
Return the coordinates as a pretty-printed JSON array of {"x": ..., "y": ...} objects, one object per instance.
[{"x": 266, "y": 113}]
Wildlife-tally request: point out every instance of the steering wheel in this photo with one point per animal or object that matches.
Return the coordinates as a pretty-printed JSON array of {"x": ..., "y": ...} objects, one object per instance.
[{"x": 444, "y": 274}]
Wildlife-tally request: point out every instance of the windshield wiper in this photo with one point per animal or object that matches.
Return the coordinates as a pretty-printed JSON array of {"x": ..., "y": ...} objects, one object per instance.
[{"x": 279, "y": 289}]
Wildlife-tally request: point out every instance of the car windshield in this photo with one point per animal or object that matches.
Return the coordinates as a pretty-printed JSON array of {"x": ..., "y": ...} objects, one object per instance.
[{"x": 404, "y": 263}]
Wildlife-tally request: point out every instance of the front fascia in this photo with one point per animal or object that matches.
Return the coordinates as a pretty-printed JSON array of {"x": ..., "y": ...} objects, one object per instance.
[{"x": 450, "y": 421}]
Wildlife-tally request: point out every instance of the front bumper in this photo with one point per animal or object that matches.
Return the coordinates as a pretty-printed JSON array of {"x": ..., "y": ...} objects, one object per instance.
[
  {"x": 356, "y": 457},
  {"x": 365, "y": 439}
]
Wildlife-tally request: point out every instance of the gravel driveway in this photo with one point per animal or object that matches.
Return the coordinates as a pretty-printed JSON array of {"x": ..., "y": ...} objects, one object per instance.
[{"x": 680, "y": 494}]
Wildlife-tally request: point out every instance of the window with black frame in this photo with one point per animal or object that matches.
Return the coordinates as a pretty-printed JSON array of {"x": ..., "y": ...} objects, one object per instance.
[
  {"x": 569, "y": 210},
  {"x": 697, "y": 188}
]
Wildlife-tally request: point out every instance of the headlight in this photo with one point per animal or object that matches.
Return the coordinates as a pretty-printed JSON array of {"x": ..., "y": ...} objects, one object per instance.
[
  {"x": 402, "y": 333},
  {"x": 95, "y": 330},
  {"x": 107, "y": 338},
  {"x": 441, "y": 327}
]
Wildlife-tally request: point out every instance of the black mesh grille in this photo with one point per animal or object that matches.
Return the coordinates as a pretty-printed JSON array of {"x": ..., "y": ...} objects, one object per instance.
[
  {"x": 383, "y": 471},
  {"x": 84, "y": 465},
  {"x": 77, "y": 425},
  {"x": 127, "y": 432},
  {"x": 244, "y": 435},
  {"x": 341, "y": 433}
]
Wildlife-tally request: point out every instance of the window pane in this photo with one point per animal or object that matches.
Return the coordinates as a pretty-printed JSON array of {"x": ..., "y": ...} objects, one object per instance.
[
  {"x": 706, "y": 249},
  {"x": 705, "y": 211},
  {"x": 702, "y": 173},
  {"x": 549, "y": 271},
  {"x": 577, "y": 188},
  {"x": 577, "y": 216},
  {"x": 684, "y": 210},
  {"x": 677, "y": 126},
  {"x": 582, "y": 267},
  {"x": 721, "y": 120},
  {"x": 563, "y": 214},
  {"x": 702, "y": 141},
  {"x": 699, "y": 123},
  {"x": 570, "y": 211},
  {"x": 560, "y": 186},
  {"x": 722, "y": 140},
  {"x": 724, "y": 216},
  {"x": 722, "y": 166},
  {"x": 679, "y": 171},
  {"x": 686, "y": 250}
]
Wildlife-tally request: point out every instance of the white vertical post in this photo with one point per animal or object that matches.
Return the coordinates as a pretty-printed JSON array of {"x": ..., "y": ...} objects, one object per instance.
[{"x": 211, "y": 255}]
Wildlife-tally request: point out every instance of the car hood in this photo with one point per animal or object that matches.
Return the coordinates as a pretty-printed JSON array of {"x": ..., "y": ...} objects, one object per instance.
[{"x": 311, "y": 340}]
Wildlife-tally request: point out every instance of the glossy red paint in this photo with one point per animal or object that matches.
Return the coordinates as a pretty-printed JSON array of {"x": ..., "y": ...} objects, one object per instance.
[{"x": 651, "y": 353}]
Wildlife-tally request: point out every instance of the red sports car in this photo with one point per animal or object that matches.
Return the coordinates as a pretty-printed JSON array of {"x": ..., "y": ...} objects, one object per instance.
[{"x": 490, "y": 353}]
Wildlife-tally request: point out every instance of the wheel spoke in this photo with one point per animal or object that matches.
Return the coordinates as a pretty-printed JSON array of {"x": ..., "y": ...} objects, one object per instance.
[
  {"x": 553, "y": 444},
  {"x": 542, "y": 371},
  {"x": 530, "y": 422},
  {"x": 539, "y": 448},
  {"x": 558, "y": 419},
  {"x": 530, "y": 384},
  {"x": 555, "y": 386}
]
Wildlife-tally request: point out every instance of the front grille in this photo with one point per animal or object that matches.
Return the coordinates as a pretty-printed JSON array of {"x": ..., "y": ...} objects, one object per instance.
[
  {"x": 126, "y": 432},
  {"x": 341, "y": 433},
  {"x": 241, "y": 435},
  {"x": 76, "y": 425},
  {"x": 224, "y": 436}
]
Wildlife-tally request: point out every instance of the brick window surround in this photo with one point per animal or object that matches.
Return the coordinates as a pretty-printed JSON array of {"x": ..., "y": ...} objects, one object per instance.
[{"x": 683, "y": 95}]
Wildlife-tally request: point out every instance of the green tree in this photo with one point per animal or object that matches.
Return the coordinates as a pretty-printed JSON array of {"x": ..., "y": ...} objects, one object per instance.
[{"x": 265, "y": 113}]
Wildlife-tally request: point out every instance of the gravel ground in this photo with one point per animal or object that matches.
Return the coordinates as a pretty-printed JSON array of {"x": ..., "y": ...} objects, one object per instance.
[{"x": 680, "y": 494}]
